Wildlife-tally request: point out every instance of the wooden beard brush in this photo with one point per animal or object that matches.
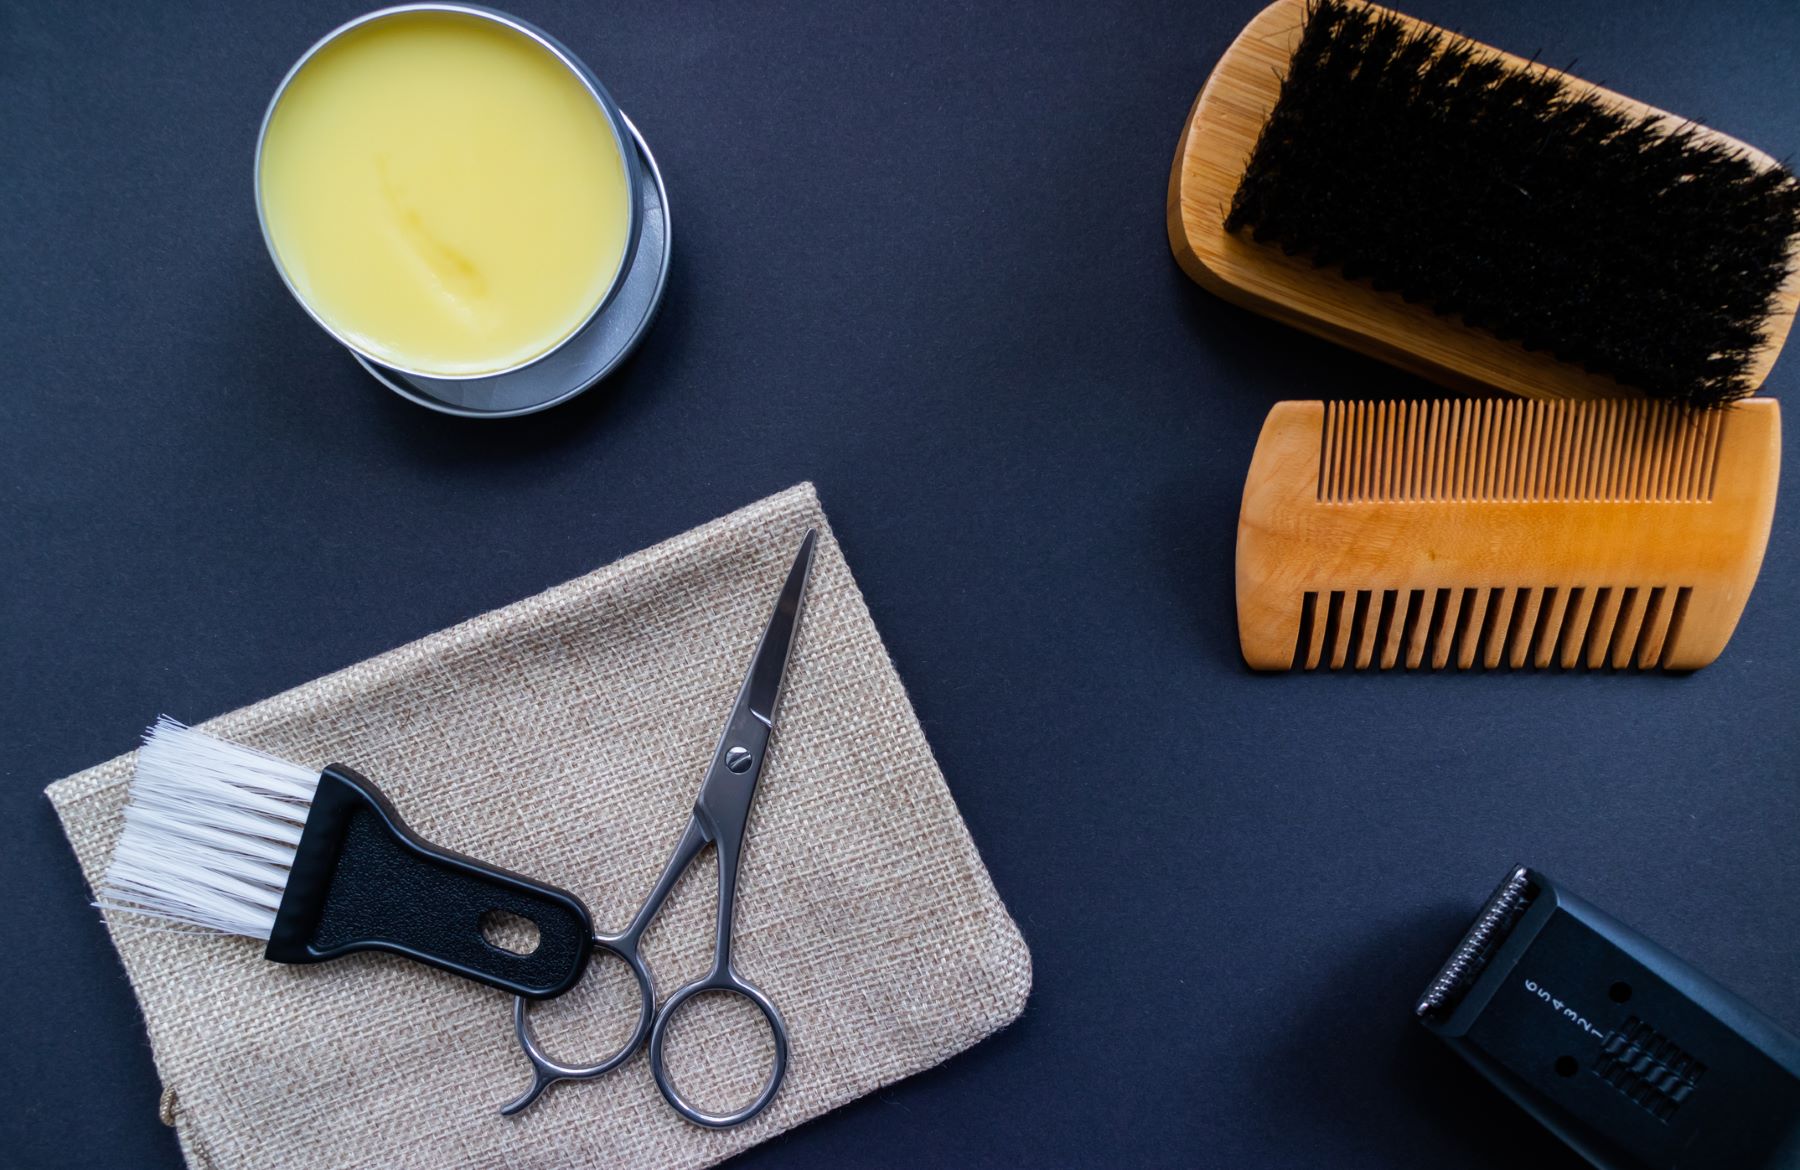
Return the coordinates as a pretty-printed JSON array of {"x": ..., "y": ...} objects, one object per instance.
[
  {"x": 234, "y": 841},
  {"x": 1480, "y": 220}
]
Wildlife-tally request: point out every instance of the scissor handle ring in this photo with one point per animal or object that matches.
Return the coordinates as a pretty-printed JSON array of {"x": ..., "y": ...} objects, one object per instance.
[
  {"x": 546, "y": 1071},
  {"x": 731, "y": 982}
]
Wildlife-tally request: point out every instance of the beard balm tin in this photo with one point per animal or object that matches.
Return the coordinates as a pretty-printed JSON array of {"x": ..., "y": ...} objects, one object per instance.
[{"x": 455, "y": 198}]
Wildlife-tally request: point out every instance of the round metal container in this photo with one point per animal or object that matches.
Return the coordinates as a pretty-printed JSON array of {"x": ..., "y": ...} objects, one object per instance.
[{"x": 623, "y": 138}]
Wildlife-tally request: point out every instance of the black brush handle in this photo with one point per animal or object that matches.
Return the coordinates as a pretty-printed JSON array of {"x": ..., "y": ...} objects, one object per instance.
[{"x": 362, "y": 880}]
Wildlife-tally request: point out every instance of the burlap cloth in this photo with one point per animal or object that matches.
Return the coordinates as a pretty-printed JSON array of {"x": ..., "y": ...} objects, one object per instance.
[{"x": 564, "y": 736}]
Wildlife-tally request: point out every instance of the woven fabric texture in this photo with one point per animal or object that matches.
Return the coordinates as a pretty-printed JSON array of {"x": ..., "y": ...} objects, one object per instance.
[{"x": 564, "y": 736}]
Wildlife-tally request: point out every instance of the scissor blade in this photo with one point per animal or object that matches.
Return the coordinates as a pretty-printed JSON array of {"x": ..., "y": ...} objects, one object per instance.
[
  {"x": 722, "y": 809},
  {"x": 762, "y": 686}
]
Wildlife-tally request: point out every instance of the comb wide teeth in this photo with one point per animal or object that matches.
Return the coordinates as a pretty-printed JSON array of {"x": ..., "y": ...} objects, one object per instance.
[
  {"x": 210, "y": 833},
  {"x": 1492, "y": 628}
]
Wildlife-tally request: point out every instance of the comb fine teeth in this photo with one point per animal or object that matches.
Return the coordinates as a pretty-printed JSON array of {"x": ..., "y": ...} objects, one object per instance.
[{"x": 1503, "y": 533}]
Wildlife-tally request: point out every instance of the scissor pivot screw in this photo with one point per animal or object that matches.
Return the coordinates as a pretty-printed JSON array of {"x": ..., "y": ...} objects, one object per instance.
[{"x": 738, "y": 759}]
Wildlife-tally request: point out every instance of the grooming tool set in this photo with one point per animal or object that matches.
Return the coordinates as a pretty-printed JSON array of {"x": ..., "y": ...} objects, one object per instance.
[
  {"x": 1631, "y": 1056},
  {"x": 228, "y": 839},
  {"x": 1632, "y": 276},
  {"x": 1492, "y": 225}
]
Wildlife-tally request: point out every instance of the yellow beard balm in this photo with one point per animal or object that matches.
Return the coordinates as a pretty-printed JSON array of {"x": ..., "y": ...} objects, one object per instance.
[{"x": 446, "y": 190}]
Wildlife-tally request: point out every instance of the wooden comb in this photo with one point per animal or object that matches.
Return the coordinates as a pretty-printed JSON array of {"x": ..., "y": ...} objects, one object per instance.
[
  {"x": 1503, "y": 532},
  {"x": 1216, "y": 144}
]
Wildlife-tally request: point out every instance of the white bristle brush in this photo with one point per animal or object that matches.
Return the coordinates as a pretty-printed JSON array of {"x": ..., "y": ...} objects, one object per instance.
[{"x": 318, "y": 864}]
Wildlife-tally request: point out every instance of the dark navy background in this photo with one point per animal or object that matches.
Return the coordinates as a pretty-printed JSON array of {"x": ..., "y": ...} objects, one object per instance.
[{"x": 920, "y": 260}]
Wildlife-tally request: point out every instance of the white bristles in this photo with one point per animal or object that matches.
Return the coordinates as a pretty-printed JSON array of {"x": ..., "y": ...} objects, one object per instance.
[{"x": 210, "y": 831}]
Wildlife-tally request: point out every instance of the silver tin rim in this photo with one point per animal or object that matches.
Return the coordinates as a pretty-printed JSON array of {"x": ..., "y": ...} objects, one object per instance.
[
  {"x": 623, "y": 141},
  {"x": 382, "y": 373}
]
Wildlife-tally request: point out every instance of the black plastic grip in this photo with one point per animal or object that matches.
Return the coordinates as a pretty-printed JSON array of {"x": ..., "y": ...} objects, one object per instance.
[{"x": 362, "y": 880}]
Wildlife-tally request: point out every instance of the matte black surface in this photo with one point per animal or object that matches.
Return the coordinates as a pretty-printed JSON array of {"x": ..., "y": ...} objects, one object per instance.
[
  {"x": 919, "y": 259},
  {"x": 361, "y": 880}
]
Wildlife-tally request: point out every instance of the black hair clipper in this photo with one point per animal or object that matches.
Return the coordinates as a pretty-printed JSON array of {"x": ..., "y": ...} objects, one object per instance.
[{"x": 1628, "y": 1054}]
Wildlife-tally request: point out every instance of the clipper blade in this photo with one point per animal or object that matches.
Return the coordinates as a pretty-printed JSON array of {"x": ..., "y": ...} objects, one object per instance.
[{"x": 1466, "y": 963}]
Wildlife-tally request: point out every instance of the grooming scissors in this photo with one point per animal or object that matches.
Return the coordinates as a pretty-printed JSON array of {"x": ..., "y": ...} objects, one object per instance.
[{"x": 721, "y": 814}]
